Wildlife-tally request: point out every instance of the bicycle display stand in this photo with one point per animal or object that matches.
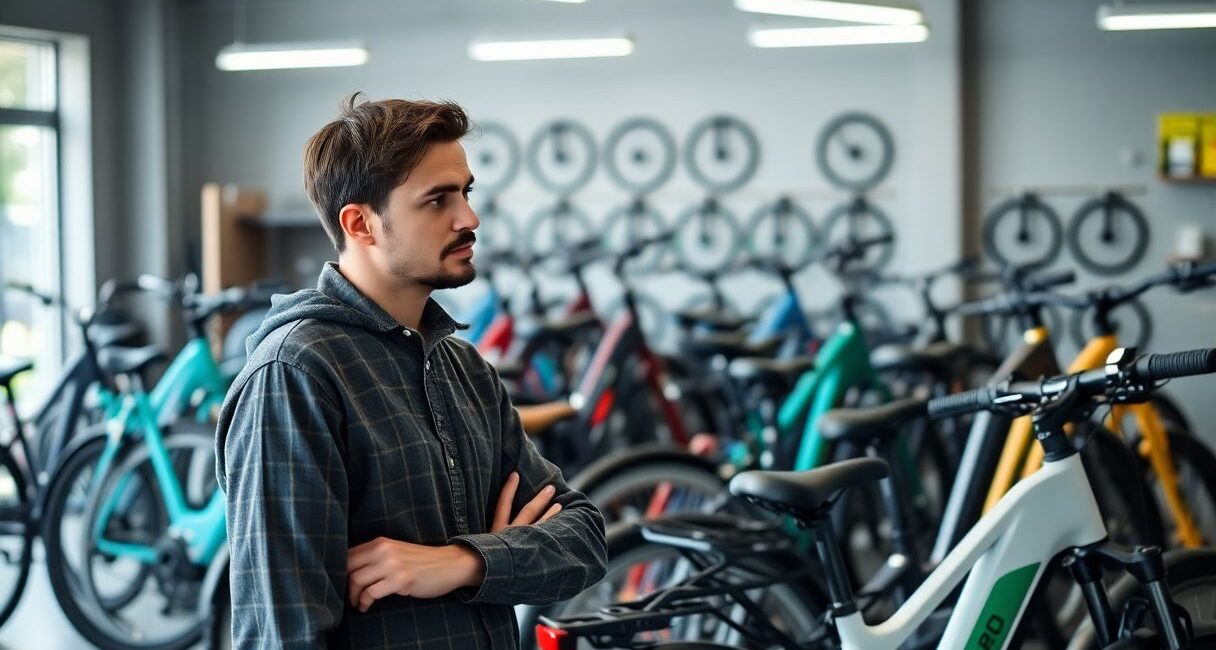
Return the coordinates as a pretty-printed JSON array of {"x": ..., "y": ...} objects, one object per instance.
[
  {"x": 1107, "y": 235},
  {"x": 640, "y": 157},
  {"x": 562, "y": 159}
]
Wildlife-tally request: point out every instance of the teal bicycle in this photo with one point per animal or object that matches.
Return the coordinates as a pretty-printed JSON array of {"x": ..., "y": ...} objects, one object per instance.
[{"x": 133, "y": 517}]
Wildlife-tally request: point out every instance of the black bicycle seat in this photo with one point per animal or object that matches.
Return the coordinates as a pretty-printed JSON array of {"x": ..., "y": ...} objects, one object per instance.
[
  {"x": 782, "y": 372},
  {"x": 728, "y": 344},
  {"x": 126, "y": 361},
  {"x": 936, "y": 358},
  {"x": 874, "y": 423},
  {"x": 806, "y": 495},
  {"x": 714, "y": 319},
  {"x": 568, "y": 326},
  {"x": 10, "y": 368},
  {"x": 106, "y": 334}
]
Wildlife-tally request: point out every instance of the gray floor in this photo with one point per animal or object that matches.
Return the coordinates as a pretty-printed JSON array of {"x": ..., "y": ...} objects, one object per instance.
[{"x": 38, "y": 621}]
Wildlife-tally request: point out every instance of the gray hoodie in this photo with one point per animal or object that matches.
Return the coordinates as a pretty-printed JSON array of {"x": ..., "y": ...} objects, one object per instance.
[{"x": 345, "y": 426}]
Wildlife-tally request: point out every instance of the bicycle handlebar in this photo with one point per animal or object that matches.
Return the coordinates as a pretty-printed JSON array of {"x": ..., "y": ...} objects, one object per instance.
[{"x": 1115, "y": 376}]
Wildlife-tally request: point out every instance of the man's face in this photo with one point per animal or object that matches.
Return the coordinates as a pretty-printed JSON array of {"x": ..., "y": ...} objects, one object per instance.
[{"x": 428, "y": 223}]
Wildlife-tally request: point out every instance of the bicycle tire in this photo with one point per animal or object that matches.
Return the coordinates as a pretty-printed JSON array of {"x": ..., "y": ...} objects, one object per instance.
[
  {"x": 845, "y": 213},
  {"x": 783, "y": 211},
  {"x": 751, "y": 161},
  {"x": 1192, "y": 582},
  {"x": 886, "y": 143},
  {"x": 578, "y": 180},
  {"x": 498, "y": 231},
  {"x": 1141, "y": 315},
  {"x": 64, "y": 580},
  {"x": 16, "y": 528},
  {"x": 108, "y": 629},
  {"x": 664, "y": 170},
  {"x": 1032, "y": 204},
  {"x": 560, "y": 213},
  {"x": 708, "y": 488},
  {"x": 1171, "y": 414},
  {"x": 1118, "y": 204},
  {"x": 686, "y": 234},
  {"x": 638, "y": 220},
  {"x": 514, "y": 155}
]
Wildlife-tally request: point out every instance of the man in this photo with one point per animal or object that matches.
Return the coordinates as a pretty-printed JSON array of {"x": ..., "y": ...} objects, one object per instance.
[{"x": 381, "y": 491}]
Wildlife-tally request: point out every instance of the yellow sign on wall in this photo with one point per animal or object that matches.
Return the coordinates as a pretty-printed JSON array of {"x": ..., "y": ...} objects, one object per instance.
[{"x": 1186, "y": 145}]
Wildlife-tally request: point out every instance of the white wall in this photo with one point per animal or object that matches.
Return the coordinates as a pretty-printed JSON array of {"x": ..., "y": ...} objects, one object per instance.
[
  {"x": 691, "y": 60},
  {"x": 1060, "y": 102}
]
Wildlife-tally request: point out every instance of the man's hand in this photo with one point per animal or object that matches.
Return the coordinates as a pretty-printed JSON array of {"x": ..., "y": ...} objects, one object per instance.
[
  {"x": 533, "y": 512},
  {"x": 384, "y": 566}
]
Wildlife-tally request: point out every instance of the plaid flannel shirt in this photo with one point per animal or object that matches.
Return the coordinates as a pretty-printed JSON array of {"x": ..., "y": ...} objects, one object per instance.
[{"x": 343, "y": 427}]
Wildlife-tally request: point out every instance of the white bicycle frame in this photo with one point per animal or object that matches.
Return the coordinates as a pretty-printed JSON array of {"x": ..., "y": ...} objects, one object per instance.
[{"x": 1003, "y": 557}]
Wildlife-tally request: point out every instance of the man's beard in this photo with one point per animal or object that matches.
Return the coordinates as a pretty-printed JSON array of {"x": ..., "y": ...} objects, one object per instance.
[{"x": 443, "y": 279}]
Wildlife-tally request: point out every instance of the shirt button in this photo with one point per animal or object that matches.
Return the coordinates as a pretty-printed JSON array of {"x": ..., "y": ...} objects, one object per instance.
[
  {"x": 405, "y": 332},
  {"x": 426, "y": 365},
  {"x": 451, "y": 462}
]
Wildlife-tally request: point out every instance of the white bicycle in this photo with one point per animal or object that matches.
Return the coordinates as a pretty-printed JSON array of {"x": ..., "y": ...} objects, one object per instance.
[{"x": 1161, "y": 600}]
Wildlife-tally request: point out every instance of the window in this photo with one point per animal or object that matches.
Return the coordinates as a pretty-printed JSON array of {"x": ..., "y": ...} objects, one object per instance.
[{"x": 29, "y": 208}]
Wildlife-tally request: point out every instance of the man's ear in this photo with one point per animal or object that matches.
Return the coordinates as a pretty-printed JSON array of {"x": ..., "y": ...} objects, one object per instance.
[{"x": 355, "y": 219}]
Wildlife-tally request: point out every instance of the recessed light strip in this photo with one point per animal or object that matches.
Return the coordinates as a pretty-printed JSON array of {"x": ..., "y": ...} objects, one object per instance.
[
  {"x": 1159, "y": 16},
  {"x": 853, "y": 12},
  {"x": 567, "y": 48},
  {"x": 824, "y": 36},
  {"x": 280, "y": 56}
]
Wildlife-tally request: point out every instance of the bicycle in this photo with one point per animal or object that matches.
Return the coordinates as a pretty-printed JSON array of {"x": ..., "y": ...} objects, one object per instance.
[
  {"x": 104, "y": 512},
  {"x": 999, "y": 563}
]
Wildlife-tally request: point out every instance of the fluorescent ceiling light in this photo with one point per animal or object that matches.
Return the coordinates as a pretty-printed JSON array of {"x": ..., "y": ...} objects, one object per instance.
[
  {"x": 821, "y": 36},
  {"x": 853, "y": 12},
  {"x": 569, "y": 48},
  {"x": 278, "y": 56},
  {"x": 1157, "y": 16}
]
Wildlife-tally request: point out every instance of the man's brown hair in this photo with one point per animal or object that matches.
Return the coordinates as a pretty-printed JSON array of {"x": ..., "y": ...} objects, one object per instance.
[{"x": 371, "y": 149}]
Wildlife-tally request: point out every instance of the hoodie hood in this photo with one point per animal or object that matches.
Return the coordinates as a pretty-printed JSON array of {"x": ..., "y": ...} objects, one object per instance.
[{"x": 336, "y": 300}]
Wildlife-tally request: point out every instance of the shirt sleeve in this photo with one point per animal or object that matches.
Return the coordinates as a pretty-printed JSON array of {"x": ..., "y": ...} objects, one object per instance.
[
  {"x": 287, "y": 511},
  {"x": 544, "y": 563}
]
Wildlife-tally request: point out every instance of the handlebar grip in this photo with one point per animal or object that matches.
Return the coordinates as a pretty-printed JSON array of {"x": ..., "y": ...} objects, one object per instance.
[
  {"x": 1059, "y": 278},
  {"x": 959, "y": 403},
  {"x": 1155, "y": 367}
]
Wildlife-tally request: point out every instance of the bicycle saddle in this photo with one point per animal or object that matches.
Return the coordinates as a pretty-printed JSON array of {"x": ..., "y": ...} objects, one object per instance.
[
  {"x": 714, "y": 319},
  {"x": 730, "y": 345},
  {"x": 538, "y": 418},
  {"x": 874, "y": 423},
  {"x": 104, "y": 335},
  {"x": 126, "y": 361},
  {"x": 10, "y": 368},
  {"x": 938, "y": 358},
  {"x": 568, "y": 326},
  {"x": 781, "y": 372},
  {"x": 806, "y": 495}
]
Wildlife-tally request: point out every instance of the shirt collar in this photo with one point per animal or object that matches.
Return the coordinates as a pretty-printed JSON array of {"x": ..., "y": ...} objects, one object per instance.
[{"x": 434, "y": 324}]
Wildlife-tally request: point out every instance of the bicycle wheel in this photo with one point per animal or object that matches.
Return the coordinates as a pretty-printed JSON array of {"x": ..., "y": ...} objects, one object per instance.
[
  {"x": 1137, "y": 336},
  {"x": 1108, "y": 235},
  {"x": 640, "y": 155},
  {"x": 707, "y": 237},
  {"x": 635, "y": 492},
  {"x": 712, "y": 153},
  {"x": 855, "y": 151},
  {"x": 783, "y": 231},
  {"x": 637, "y": 567},
  {"x": 165, "y": 613},
  {"x": 628, "y": 224},
  {"x": 1023, "y": 231},
  {"x": 562, "y": 156},
  {"x": 494, "y": 155},
  {"x": 16, "y": 535},
  {"x": 556, "y": 227},
  {"x": 497, "y": 231},
  {"x": 1192, "y": 585},
  {"x": 860, "y": 219}
]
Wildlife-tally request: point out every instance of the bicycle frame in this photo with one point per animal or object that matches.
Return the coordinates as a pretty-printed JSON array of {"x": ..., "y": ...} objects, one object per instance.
[
  {"x": 1154, "y": 446},
  {"x": 481, "y": 315},
  {"x": 785, "y": 319},
  {"x": 1002, "y": 558},
  {"x": 843, "y": 362}
]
